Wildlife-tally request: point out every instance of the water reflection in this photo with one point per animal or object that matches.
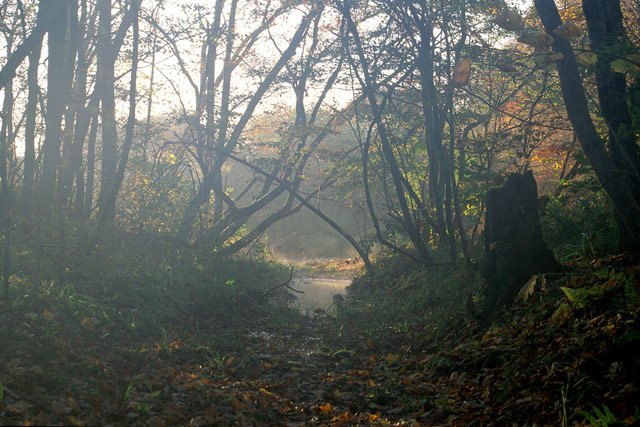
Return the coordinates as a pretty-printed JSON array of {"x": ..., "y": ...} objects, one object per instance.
[{"x": 318, "y": 292}]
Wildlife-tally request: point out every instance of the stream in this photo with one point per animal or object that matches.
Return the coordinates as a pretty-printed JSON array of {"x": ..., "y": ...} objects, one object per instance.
[{"x": 318, "y": 292}]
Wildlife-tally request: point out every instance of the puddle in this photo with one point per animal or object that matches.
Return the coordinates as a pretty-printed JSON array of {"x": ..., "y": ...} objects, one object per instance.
[{"x": 318, "y": 292}]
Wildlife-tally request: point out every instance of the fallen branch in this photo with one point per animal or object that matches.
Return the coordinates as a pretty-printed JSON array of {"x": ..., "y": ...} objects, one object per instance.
[{"x": 284, "y": 285}]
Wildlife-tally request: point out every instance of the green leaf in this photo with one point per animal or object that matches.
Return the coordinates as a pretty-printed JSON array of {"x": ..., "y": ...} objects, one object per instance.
[
  {"x": 587, "y": 59},
  {"x": 573, "y": 296},
  {"x": 623, "y": 65}
]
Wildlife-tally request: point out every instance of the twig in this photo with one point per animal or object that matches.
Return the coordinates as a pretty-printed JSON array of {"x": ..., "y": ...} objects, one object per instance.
[{"x": 284, "y": 285}]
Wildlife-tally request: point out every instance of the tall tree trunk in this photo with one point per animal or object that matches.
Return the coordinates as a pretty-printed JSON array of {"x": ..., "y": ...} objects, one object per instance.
[
  {"x": 6, "y": 115},
  {"x": 105, "y": 89},
  {"x": 91, "y": 167},
  {"x": 606, "y": 33},
  {"x": 30, "y": 130},
  {"x": 73, "y": 39},
  {"x": 218, "y": 187},
  {"x": 80, "y": 114},
  {"x": 611, "y": 174},
  {"x": 369, "y": 87},
  {"x": 147, "y": 126},
  {"x": 57, "y": 99},
  {"x": 108, "y": 211}
]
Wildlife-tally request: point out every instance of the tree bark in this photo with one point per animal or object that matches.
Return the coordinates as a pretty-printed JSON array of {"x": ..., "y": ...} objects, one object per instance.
[
  {"x": 49, "y": 12},
  {"x": 108, "y": 211},
  {"x": 107, "y": 52},
  {"x": 72, "y": 160},
  {"x": 368, "y": 86},
  {"x": 606, "y": 33},
  {"x": 91, "y": 167},
  {"x": 6, "y": 115},
  {"x": 514, "y": 247},
  {"x": 608, "y": 171},
  {"x": 33, "y": 90},
  {"x": 105, "y": 89},
  {"x": 58, "y": 91}
]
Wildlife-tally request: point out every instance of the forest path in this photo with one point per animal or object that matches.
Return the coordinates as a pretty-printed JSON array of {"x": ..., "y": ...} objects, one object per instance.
[
  {"x": 276, "y": 367},
  {"x": 283, "y": 378}
]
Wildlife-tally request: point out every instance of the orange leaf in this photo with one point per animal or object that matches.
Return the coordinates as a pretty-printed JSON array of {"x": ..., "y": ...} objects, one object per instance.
[
  {"x": 461, "y": 73},
  {"x": 326, "y": 409}
]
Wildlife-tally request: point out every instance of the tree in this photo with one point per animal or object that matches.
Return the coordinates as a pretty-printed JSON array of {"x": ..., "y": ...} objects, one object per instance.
[
  {"x": 431, "y": 66},
  {"x": 107, "y": 53},
  {"x": 217, "y": 127},
  {"x": 616, "y": 167},
  {"x": 108, "y": 210},
  {"x": 59, "y": 78}
]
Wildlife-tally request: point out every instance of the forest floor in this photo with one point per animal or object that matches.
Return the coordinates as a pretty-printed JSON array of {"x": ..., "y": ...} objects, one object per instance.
[{"x": 561, "y": 357}]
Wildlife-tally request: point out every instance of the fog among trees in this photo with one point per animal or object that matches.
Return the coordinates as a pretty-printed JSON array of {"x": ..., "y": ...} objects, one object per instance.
[{"x": 161, "y": 161}]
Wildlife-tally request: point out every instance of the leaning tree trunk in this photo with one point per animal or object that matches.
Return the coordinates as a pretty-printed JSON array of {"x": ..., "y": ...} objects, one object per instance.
[
  {"x": 514, "y": 246},
  {"x": 613, "y": 175}
]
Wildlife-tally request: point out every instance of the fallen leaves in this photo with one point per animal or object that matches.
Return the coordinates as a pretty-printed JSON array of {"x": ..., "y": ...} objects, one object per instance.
[{"x": 512, "y": 371}]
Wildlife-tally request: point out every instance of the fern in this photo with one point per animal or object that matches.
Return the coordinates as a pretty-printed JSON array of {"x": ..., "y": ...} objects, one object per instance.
[{"x": 605, "y": 419}]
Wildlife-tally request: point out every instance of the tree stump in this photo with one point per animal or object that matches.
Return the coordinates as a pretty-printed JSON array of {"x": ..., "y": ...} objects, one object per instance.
[{"x": 514, "y": 247}]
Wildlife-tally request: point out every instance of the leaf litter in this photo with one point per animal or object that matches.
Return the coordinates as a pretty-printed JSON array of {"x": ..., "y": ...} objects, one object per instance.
[{"x": 556, "y": 355}]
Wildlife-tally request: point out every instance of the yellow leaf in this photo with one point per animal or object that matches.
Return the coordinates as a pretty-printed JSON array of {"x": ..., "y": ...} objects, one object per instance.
[
  {"x": 265, "y": 392},
  {"x": 48, "y": 315}
]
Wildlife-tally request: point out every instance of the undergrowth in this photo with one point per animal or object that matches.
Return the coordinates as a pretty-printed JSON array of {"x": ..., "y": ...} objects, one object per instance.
[
  {"x": 568, "y": 343},
  {"x": 401, "y": 299},
  {"x": 579, "y": 224},
  {"x": 143, "y": 284}
]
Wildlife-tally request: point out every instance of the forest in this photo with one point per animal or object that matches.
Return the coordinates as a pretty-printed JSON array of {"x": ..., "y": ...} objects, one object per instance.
[{"x": 320, "y": 212}]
